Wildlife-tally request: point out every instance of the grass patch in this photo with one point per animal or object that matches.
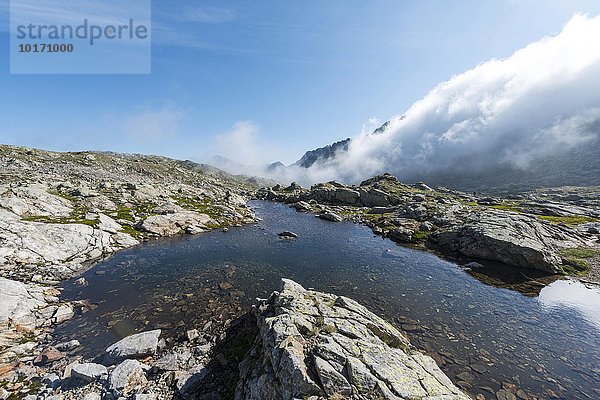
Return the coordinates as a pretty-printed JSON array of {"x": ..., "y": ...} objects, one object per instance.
[
  {"x": 27, "y": 337},
  {"x": 421, "y": 235},
  {"x": 130, "y": 230},
  {"x": 200, "y": 206},
  {"x": 62, "y": 220},
  {"x": 507, "y": 207},
  {"x": 573, "y": 220},
  {"x": 124, "y": 213},
  {"x": 575, "y": 260}
]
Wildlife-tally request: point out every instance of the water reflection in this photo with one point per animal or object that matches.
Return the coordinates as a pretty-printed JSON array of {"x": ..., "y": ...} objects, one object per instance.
[{"x": 572, "y": 295}]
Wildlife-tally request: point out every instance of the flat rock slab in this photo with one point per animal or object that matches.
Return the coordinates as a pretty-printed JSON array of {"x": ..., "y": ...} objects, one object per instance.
[
  {"x": 89, "y": 372},
  {"x": 18, "y": 302},
  {"x": 138, "y": 345},
  {"x": 318, "y": 344}
]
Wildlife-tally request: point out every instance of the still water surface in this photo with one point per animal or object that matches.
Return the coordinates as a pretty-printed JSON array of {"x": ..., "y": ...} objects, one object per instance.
[{"x": 482, "y": 336}]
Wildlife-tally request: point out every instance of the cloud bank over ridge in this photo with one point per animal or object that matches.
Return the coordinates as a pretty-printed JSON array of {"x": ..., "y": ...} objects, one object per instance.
[{"x": 542, "y": 101}]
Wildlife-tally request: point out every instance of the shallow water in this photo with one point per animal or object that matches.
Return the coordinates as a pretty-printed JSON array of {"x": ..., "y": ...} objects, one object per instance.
[{"x": 487, "y": 336}]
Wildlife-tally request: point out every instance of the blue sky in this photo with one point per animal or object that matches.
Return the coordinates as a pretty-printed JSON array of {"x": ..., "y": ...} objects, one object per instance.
[{"x": 281, "y": 77}]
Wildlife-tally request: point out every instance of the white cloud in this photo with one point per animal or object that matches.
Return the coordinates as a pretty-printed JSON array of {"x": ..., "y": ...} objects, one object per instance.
[
  {"x": 154, "y": 125},
  {"x": 542, "y": 100},
  {"x": 241, "y": 144}
]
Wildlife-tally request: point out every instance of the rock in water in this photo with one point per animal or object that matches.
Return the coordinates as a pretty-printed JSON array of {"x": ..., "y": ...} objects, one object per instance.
[
  {"x": 318, "y": 344},
  {"x": 138, "y": 345},
  {"x": 287, "y": 235},
  {"x": 329, "y": 216}
]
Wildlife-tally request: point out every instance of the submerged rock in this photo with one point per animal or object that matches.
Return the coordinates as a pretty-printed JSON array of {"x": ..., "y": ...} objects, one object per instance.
[{"x": 318, "y": 344}]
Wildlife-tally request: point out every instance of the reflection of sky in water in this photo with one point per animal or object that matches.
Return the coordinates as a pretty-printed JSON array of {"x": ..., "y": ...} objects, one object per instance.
[{"x": 574, "y": 295}]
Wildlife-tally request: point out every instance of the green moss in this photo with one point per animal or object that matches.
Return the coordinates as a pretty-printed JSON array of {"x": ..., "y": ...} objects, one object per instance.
[
  {"x": 570, "y": 220},
  {"x": 125, "y": 213},
  {"x": 421, "y": 235},
  {"x": 27, "y": 337},
  {"x": 575, "y": 260},
  {"x": 130, "y": 230},
  {"x": 63, "y": 220},
  {"x": 507, "y": 207},
  {"x": 201, "y": 206}
]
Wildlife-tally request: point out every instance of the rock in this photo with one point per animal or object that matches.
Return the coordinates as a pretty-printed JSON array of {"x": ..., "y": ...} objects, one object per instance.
[
  {"x": 423, "y": 186},
  {"x": 513, "y": 239},
  {"x": 145, "y": 396},
  {"x": 505, "y": 395},
  {"x": 34, "y": 200},
  {"x": 473, "y": 265},
  {"x": 172, "y": 224},
  {"x": 18, "y": 301},
  {"x": 302, "y": 206},
  {"x": 92, "y": 396},
  {"x": 63, "y": 313},
  {"x": 126, "y": 377},
  {"x": 108, "y": 224},
  {"x": 89, "y": 372},
  {"x": 192, "y": 334},
  {"x": 68, "y": 346},
  {"x": 189, "y": 381},
  {"x": 329, "y": 216},
  {"x": 138, "y": 345},
  {"x": 51, "y": 380},
  {"x": 48, "y": 356},
  {"x": 287, "y": 235},
  {"x": 351, "y": 351}
]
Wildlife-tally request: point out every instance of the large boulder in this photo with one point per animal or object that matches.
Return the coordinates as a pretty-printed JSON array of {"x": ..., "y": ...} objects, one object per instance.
[
  {"x": 511, "y": 238},
  {"x": 318, "y": 344}
]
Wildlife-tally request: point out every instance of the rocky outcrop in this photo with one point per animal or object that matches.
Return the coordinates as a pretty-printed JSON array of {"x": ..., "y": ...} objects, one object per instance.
[
  {"x": 176, "y": 223},
  {"x": 25, "y": 242},
  {"x": 327, "y": 346},
  {"x": 511, "y": 238}
]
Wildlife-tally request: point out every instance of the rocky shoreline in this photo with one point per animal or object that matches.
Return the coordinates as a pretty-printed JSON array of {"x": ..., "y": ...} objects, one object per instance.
[
  {"x": 554, "y": 232},
  {"x": 60, "y": 212},
  {"x": 298, "y": 343}
]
